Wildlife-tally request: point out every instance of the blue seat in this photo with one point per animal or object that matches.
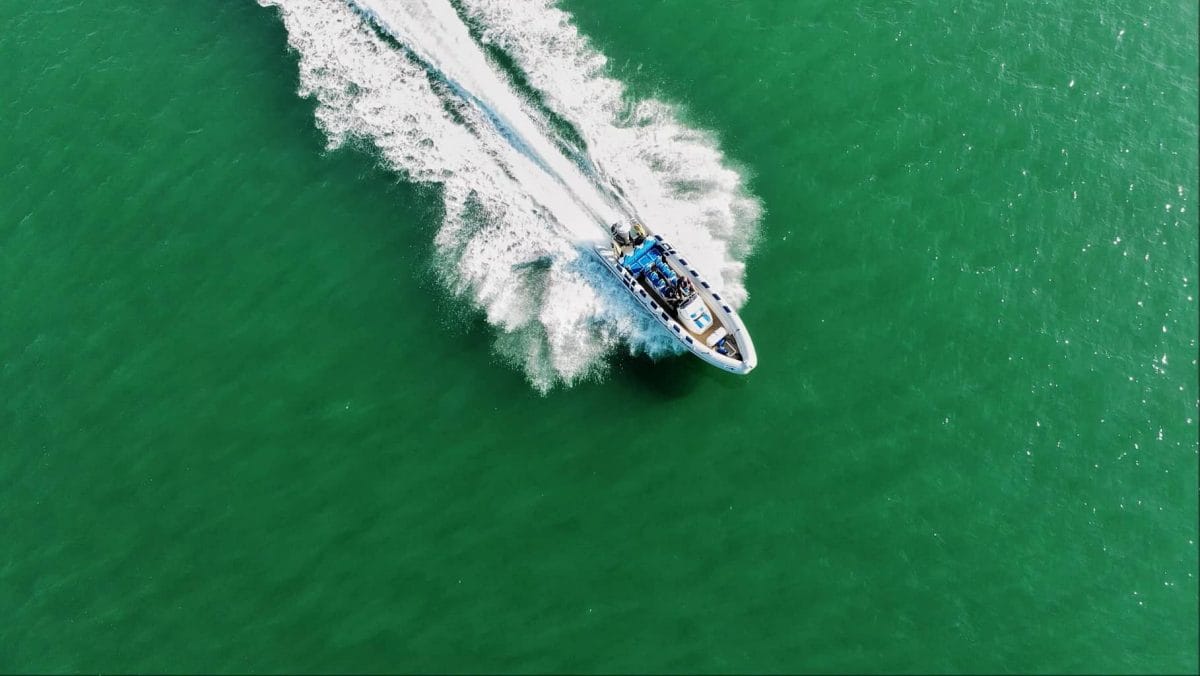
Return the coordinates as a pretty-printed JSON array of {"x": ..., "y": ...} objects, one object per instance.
[{"x": 642, "y": 258}]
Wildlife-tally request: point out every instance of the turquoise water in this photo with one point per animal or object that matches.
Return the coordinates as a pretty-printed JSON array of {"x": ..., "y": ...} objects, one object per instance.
[{"x": 250, "y": 424}]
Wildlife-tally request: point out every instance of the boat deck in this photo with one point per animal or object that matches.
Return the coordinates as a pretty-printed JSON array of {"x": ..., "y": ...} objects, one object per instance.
[{"x": 673, "y": 308}]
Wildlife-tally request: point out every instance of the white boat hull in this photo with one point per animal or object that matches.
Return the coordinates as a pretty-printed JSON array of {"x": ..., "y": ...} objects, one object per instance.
[{"x": 720, "y": 309}]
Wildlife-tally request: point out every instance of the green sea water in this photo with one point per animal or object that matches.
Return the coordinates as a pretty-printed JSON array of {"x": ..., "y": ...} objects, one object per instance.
[{"x": 242, "y": 429}]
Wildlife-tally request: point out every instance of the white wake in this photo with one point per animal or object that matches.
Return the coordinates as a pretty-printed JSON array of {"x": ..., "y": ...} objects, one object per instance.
[{"x": 520, "y": 199}]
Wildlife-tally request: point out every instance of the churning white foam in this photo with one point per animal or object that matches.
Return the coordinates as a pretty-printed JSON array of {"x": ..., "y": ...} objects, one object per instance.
[{"x": 407, "y": 77}]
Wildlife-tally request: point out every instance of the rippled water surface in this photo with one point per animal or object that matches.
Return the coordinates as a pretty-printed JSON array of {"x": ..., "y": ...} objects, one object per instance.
[{"x": 300, "y": 370}]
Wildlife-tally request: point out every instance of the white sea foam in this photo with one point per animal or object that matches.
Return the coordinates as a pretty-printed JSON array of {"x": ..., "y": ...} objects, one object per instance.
[{"x": 407, "y": 77}]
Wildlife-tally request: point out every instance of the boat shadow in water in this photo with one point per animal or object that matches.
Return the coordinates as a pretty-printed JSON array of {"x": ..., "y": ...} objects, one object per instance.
[{"x": 667, "y": 378}]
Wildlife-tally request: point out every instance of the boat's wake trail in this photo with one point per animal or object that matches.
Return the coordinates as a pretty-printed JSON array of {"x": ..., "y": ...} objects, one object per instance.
[{"x": 520, "y": 192}]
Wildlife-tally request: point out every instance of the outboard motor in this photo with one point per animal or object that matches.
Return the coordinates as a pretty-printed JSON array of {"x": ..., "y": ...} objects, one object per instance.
[
  {"x": 637, "y": 234},
  {"x": 618, "y": 234}
]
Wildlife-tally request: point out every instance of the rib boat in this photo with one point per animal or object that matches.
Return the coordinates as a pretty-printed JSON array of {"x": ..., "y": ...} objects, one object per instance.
[{"x": 678, "y": 297}]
